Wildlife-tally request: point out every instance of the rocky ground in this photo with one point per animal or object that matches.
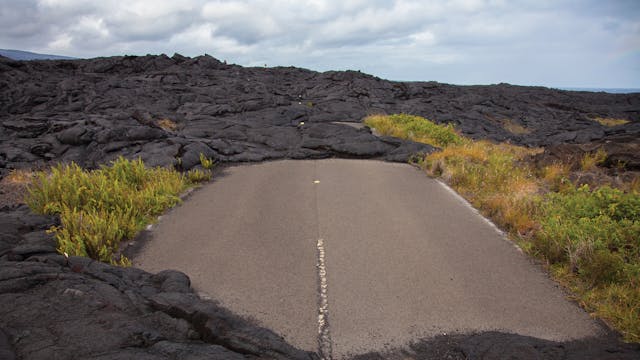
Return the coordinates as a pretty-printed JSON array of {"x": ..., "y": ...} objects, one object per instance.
[{"x": 169, "y": 110}]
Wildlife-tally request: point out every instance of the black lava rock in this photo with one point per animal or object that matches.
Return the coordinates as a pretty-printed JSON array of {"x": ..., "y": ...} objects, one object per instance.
[{"x": 91, "y": 111}]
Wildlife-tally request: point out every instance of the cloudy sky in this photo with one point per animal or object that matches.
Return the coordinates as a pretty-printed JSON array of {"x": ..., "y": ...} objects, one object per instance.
[{"x": 539, "y": 42}]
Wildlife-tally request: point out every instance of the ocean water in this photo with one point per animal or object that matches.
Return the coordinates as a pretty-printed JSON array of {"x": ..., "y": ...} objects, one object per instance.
[{"x": 607, "y": 90}]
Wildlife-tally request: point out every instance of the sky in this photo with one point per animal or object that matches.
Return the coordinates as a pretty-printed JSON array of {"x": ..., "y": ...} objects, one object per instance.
[{"x": 561, "y": 43}]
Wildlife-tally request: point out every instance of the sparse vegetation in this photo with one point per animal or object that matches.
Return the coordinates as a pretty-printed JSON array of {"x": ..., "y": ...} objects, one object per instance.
[
  {"x": 195, "y": 176},
  {"x": 167, "y": 124},
  {"x": 206, "y": 162},
  {"x": 515, "y": 128},
  {"x": 414, "y": 128},
  {"x": 588, "y": 237},
  {"x": 100, "y": 208},
  {"x": 14, "y": 185},
  {"x": 19, "y": 176},
  {"x": 491, "y": 178},
  {"x": 591, "y": 160},
  {"x": 554, "y": 176},
  {"x": 610, "y": 122}
]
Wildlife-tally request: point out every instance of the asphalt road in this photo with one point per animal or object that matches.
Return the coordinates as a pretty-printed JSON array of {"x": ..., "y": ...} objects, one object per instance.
[{"x": 385, "y": 255}]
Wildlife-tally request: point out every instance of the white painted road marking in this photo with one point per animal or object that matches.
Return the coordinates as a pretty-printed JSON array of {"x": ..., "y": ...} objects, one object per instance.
[{"x": 324, "y": 338}]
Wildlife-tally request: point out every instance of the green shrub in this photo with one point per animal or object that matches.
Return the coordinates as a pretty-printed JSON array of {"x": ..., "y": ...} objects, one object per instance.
[
  {"x": 602, "y": 267},
  {"x": 100, "y": 208},
  {"x": 618, "y": 303},
  {"x": 599, "y": 231}
]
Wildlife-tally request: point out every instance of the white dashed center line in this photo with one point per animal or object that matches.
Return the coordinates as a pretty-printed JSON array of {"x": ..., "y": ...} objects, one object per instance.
[{"x": 324, "y": 338}]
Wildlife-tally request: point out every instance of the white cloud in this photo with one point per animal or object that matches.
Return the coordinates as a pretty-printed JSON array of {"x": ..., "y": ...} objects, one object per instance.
[
  {"x": 466, "y": 41},
  {"x": 246, "y": 23},
  {"x": 61, "y": 43},
  {"x": 91, "y": 26},
  {"x": 424, "y": 38}
]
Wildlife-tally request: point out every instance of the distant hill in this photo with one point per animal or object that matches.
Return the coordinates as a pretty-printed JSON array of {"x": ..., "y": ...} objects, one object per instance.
[
  {"x": 26, "y": 55},
  {"x": 607, "y": 90}
]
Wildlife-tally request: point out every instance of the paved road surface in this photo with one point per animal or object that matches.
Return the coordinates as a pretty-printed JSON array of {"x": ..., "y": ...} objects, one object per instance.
[{"x": 398, "y": 255}]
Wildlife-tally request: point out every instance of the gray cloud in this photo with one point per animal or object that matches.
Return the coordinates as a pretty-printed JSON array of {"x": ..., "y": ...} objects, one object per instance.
[{"x": 554, "y": 43}]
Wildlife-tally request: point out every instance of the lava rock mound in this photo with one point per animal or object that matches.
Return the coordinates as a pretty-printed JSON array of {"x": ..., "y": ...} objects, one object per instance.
[{"x": 167, "y": 110}]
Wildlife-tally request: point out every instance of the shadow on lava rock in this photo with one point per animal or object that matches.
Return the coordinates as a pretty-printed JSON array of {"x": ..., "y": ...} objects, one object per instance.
[{"x": 498, "y": 345}]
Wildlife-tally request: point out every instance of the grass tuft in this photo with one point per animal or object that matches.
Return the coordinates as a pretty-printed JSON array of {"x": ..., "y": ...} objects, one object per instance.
[
  {"x": 206, "y": 162},
  {"x": 610, "y": 122},
  {"x": 554, "y": 175},
  {"x": 19, "y": 176},
  {"x": 515, "y": 128},
  {"x": 13, "y": 186},
  {"x": 591, "y": 160},
  {"x": 195, "y": 176},
  {"x": 100, "y": 208},
  {"x": 414, "y": 128},
  {"x": 167, "y": 124}
]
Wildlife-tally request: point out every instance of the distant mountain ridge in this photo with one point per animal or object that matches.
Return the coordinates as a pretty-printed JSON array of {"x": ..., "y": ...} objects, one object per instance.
[
  {"x": 26, "y": 55},
  {"x": 607, "y": 90}
]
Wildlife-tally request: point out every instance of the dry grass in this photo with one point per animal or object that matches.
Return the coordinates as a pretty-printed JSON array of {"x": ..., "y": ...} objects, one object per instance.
[
  {"x": 514, "y": 128},
  {"x": 554, "y": 175},
  {"x": 13, "y": 187},
  {"x": 590, "y": 161},
  {"x": 509, "y": 124},
  {"x": 167, "y": 124},
  {"x": 489, "y": 176},
  {"x": 555, "y": 172},
  {"x": 633, "y": 185},
  {"x": 610, "y": 122},
  {"x": 19, "y": 176}
]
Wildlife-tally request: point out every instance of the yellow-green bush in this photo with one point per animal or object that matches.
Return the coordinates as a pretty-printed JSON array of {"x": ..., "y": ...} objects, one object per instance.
[
  {"x": 95, "y": 233},
  {"x": 100, "y": 208},
  {"x": 596, "y": 233}
]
